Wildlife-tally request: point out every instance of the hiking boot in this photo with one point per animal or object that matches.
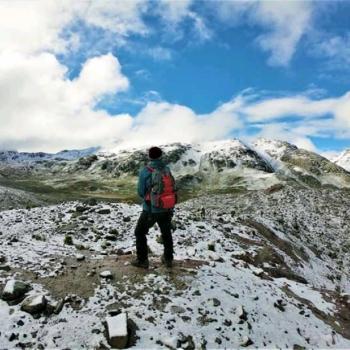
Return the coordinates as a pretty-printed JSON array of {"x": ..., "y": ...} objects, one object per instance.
[
  {"x": 167, "y": 262},
  {"x": 140, "y": 263}
]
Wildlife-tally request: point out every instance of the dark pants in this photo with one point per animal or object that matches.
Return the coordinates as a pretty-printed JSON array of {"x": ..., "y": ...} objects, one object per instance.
[{"x": 145, "y": 222}]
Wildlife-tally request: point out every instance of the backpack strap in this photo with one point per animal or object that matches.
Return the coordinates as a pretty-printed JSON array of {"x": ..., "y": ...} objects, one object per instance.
[{"x": 150, "y": 169}]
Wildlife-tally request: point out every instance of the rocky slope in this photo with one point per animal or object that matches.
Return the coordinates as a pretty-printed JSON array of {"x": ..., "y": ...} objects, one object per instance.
[
  {"x": 213, "y": 167},
  {"x": 266, "y": 269}
]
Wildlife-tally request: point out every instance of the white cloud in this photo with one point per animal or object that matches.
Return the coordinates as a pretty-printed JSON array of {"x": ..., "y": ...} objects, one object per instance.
[
  {"x": 118, "y": 16},
  {"x": 285, "y": 23},
  {"x": 283, "y": 131},
  {"x": 302, "y": 106},
  {"x": 298, "y": 105},
  {"x": 335, "y": 48},
  {"x": 159, "y": 53},
  {"x": 174, "y": 13},
  {"x": 31, "y": 26},
  {"x": 40, "y": 109},
  {"x": 162, "y": 122}
]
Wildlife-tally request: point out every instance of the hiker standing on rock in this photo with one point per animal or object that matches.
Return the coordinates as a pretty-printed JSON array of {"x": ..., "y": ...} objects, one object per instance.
[{"x": 156, "y": 186}]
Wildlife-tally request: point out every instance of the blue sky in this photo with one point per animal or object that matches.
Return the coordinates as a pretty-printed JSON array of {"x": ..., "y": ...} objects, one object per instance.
[{"x": 278, "y": 69}]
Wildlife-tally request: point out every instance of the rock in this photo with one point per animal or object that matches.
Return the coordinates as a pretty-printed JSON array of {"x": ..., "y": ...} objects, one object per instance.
[
  {"x": 68, "y": 240},
  {"x": 5, "y": 268},
  {"x": 185, "y": 342},
  {"x": 80, "y": 208},
  {"x": 91, "y": 202},
  {"x": 80, "y": 257},
  {"x": 215, "y": 257},
  {"x": 126, "y": 219},
  {"x": 34, "y": 304},
  {"x": 104, "y": 211},
  {"x": 117, "y": 330},
  {"x": 258, "y": 272},
  {"x": 2, "y": 259},
  {"x": 280, "y": 304},
  {"x": 246, "y": 341},
  {"x": 110, "y": 237},
  {"x": 241, "y": 313},
  {"x": 211, "y": 246},
  {"x": 216, "y": 302},
  {"x": 15, "y": 290},
  {"x": 13, "y": 336},
  {"x": 113, "y": 231},
  {"x": 106, "y": 274},
  {"x": 175, "y": 309}
]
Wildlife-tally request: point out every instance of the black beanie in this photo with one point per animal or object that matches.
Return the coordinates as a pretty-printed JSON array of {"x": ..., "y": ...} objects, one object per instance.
[{"x": 155, "y": 153}]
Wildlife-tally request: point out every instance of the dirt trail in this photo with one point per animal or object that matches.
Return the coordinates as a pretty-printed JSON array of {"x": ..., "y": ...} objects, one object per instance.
[{"x": 82, "y": 277}]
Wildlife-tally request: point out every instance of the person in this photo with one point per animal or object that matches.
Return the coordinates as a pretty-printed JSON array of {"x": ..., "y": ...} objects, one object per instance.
[{"x": 152, "y": 212}]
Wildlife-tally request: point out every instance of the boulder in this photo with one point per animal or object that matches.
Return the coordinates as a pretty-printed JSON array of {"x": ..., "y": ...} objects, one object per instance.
[
  {"x": 117, "y": 331},
  {"x": 104, "y": 211},
  {"x": 15, "y": 290},
  {"x": 34, "y": 304}
]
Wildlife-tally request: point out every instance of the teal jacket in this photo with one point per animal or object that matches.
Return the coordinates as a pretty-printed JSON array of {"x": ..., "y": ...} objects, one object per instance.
[{"x": 144, "y": 185}]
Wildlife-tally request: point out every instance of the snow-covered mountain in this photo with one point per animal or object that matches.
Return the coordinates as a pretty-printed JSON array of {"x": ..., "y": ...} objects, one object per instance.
[
  {"x": 215, "y": 167},
  {"x": 27, "y": 157},
  {"x": 343, "y": 159}
]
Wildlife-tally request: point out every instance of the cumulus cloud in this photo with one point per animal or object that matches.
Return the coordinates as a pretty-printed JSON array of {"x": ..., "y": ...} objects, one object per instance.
[
  {"x": 41, "y": 109},
  {"x": 297, "y": 118},
  {"x": 284, "y": 22},
  {"x": 301, "y": 106},
  {"x": 162, "y": 122}
]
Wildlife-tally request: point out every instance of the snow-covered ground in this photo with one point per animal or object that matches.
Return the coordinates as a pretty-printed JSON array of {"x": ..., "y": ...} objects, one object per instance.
[{"x": 255, "y": 270}]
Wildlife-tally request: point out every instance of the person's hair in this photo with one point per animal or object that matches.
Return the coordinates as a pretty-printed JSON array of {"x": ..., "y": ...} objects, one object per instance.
[{"x": 154, "y": 153}]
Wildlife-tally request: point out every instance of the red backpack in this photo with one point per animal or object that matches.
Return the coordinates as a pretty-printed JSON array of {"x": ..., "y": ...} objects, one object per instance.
[{"x": 163, "y": 189}]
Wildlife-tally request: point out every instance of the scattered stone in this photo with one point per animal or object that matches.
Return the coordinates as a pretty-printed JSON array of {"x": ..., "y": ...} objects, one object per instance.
[
  {"x": 280, "y": 305},
  {"x": 176, "y": 309},
  {"x": 216, "y": 302},
  {"x": 2, "y": 259},
  {"x": 34, "y": 304},
  {"x": 13, "y": 336},
  {"x": 80, "y": 208},
  {"x": 15, "y": 290},
  {"x": 80, "y": 257},
  {"x": 216, "y": 257},
  {"x": 246, "y": 341},
  {"x": 227, "y": 323},
  {"x": 211, "y": 246},
  {"x": 106, "y": 274},
  {"x": 91, "y": 202},
  {"x": 104, "y": 211},
  {"x": 20, "y": 323},
  {"x": 185, "y": 342},
  {"x": 5, "y": 268},
  {"x": 117, "y": 330},
  {"x": 110, "y": 237},
  {"x": 68, "y": 240},
  {"x": 113, "y": 231},
  {"x": 241, "y": 313},
  {"x": 126, "y": 219},
  {"x": 258, "y": 272}
]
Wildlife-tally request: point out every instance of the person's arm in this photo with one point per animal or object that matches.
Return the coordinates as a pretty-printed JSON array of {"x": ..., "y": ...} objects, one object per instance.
[{"x": 142, "y": 183}]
